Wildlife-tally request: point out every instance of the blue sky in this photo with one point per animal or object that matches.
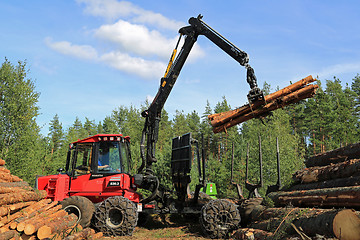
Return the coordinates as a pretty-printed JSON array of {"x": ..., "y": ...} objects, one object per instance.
[{"x": 88, "y": 57}]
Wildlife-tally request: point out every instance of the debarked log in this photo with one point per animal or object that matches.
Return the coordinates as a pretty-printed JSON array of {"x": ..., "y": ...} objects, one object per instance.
[
  {"x": 327, "y": 197},
  {"x": 342, "y": 224},
  {"x": 342, "y": 154},
  {"x": 333, "y": 171}
]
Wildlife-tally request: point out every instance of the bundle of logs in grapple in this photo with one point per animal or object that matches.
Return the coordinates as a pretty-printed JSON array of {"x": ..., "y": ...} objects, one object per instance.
[
  {"x": 286, "y": 96},
  {"x": 26, "y": 214},
  {"x": 331, "y": 179}
]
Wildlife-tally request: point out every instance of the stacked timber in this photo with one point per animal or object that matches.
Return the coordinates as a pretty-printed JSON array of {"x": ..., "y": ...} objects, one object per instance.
[
  {"x": 286, "y": 96},
  {"x": 282, "y": 223},
  {"x": 331, "y": 179},
  {"x": 25, "y": 213}
]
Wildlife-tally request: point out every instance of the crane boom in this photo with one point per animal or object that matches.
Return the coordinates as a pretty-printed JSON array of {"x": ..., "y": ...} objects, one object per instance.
[{"x": 153, "y": 114}]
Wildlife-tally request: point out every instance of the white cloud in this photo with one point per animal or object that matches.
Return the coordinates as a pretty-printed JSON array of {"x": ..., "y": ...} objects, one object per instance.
[
  {"x": 113, "y": 9},
  {"x": 142, "y": 41},
  {"x": 136, "y": 39},
  {"x": 138, "y": 46},
  {"x": 67, "y": 48},
  {"x": 339, "y": 69},
  {"x": 134, "y": 65}
]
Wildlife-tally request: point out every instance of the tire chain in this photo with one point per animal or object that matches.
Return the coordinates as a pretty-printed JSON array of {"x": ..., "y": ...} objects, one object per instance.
[
  {"x": 129, "y": 216},
  {"x": 219, "y": 217}
]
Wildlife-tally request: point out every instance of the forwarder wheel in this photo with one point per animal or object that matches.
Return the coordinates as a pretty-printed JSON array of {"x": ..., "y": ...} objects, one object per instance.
[
  {"x": 82, "y": 207},
  {"x": 116, "y": 216},
  {"x": 219, "y": 217}
]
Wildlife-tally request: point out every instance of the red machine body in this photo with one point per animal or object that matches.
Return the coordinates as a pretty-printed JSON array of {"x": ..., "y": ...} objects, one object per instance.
[{"x": 84, "y": 175}]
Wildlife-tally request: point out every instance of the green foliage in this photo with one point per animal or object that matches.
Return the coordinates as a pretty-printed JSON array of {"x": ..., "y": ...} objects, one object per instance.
[
  {"x": 19, "y": 133},
  {"x": 326, "y": 121}
]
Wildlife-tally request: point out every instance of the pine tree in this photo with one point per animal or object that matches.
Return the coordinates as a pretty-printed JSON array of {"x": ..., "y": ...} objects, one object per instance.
[{"x": 20, "y": 140}]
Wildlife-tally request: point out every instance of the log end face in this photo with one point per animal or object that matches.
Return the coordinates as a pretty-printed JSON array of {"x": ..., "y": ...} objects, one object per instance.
[{"x": 346, "y": 225}]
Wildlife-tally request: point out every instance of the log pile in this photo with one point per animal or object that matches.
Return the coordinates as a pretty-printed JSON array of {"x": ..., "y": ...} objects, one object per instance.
[
  {"x": 331, "y": 179},
  {"x": 286, "y": 96},
  {"x": 25, "y": 213},
  {"x": 282, "y": 223}
]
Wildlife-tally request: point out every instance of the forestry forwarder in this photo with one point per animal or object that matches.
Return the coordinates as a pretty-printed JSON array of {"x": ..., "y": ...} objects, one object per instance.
[{"x": 97, "y": 185}]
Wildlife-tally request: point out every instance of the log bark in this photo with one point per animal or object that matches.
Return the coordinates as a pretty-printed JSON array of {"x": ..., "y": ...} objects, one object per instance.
[
  {"x": 328, "y": 197},
  {"x": 334, "y": 183},
  {"x": 351, "y": 151},
  {"x": 251, "y": 234},
  {"x": 25, "y": 212},
  {"x": 32, "y": 226},
  {"x": 9, "y": 177},
  {"x": 4, "y": 170},
  {"x": 342, "y": 224},
  {"x": 56, "y": 226},
  {"x": 37, "y": 216},
  {"x": 8, "y": 235},
  {"x": 291, "y": 98},
  {"x": 86, "y": 233},
  {"x": 261, "y": 213},
  {"x": 15, "y": 184},
  {"x": 8, "y": 209},
  {"x": 221, "y": 118},
  {"x": 10, "y": 198},
  {"x": 11, "y": 189},
  {"x": 333, "y": 171}
]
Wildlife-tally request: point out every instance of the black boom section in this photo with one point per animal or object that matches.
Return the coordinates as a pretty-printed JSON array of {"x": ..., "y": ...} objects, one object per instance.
[{"x": 181, "y": 156}]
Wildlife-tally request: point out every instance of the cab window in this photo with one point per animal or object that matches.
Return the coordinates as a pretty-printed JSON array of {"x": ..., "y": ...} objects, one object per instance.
[
  {"x": 82, "y": 158},
  {"x": 112, "y": 158}
]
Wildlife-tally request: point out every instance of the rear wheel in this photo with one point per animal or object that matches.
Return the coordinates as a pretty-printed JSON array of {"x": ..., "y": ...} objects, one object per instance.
[
  {"x": 82, "y": 207},
  {"x": 219, "y": 217},
  {"x": 116, "y": 216}
]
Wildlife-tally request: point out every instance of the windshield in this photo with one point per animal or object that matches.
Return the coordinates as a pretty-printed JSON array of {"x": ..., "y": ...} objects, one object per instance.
[{"x": 113, "y": 157}]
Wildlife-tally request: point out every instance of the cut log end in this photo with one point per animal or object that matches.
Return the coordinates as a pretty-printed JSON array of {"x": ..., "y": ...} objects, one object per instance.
[
  {"x": 44, "y": 232},
  {"x": 346, "y": 225}
]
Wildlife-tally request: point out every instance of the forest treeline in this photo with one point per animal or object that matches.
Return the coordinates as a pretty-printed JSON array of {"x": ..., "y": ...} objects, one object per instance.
[{"x": 328, "y": 120}]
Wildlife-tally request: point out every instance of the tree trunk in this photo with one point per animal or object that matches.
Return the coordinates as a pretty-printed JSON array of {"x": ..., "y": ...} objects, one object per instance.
[
  {"x": 32, "y": 226},
  {"x": 15, "y": 184},
  {"x": 8, "y": 209},
  {"x": 4, "y": 190},
  {"x": 8, "y": 235},
  {"x": 10, "y": 198},
  {"x": 9, "y": 177},
  {"x": 56, "y": 226},
  {"x": 340, "y": 182},
  {"x": 218, "y": 119},
  {"x": 342, "y": 154},
  {"x": 37, "y": 216},
  {"x": 86, "y": 233},
  {"x": 25, "y": 212},
  {"x": 327, "y": 197},
  {"x": 342, "y": 224},
  {"x": 317, "y": 174},
  {"x": 252, "y": 233},
  {"x": 291, "y": 98}
]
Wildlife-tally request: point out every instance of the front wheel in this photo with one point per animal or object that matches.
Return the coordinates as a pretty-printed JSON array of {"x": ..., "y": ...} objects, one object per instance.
[
  {"x": 116, "y": 216},
  {"x": 219, "y": 217},
  {"x": 82, "y": 207}
]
